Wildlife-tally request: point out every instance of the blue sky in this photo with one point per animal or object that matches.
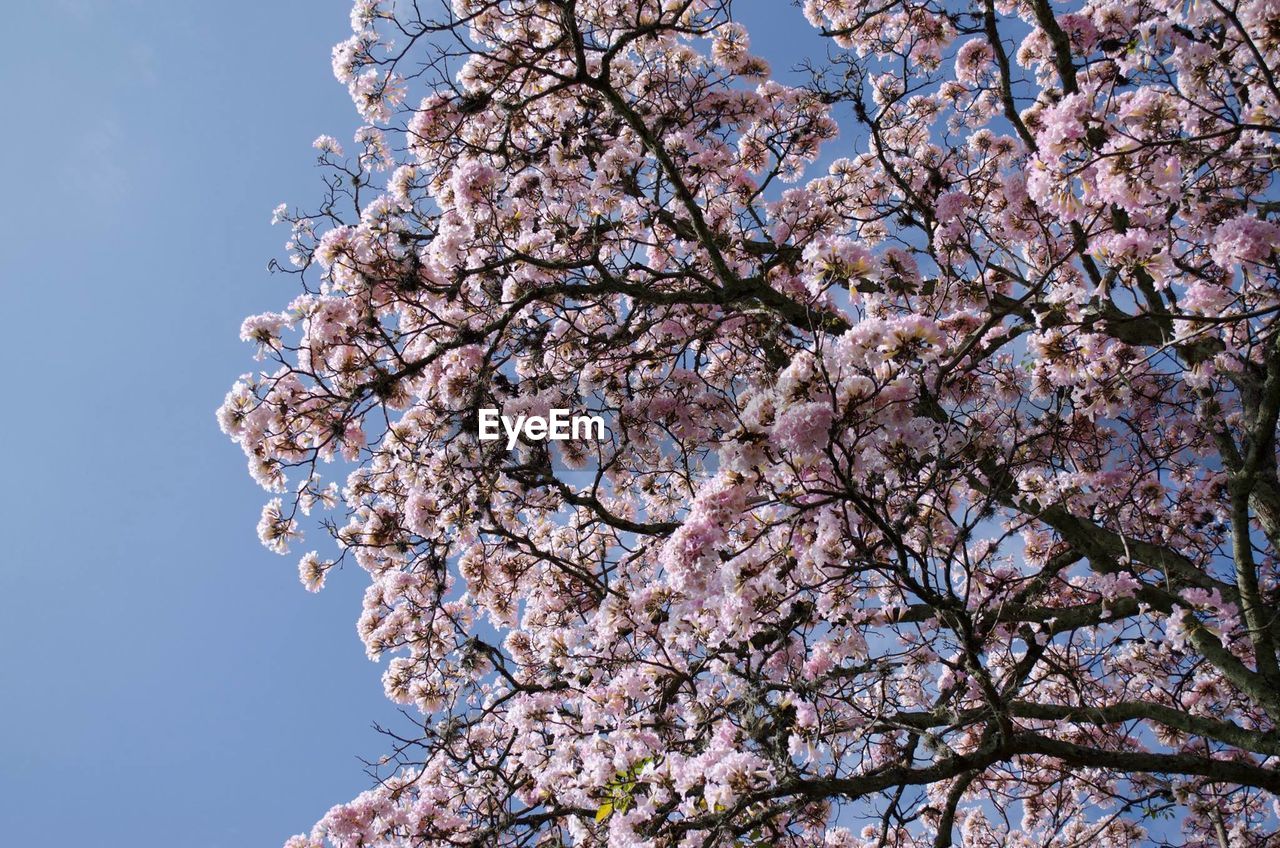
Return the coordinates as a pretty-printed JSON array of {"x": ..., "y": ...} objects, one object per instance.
[{"x": 163, "y": 679}]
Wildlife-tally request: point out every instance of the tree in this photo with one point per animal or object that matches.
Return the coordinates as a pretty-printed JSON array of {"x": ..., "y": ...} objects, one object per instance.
[{"x": 938, "y": 501}]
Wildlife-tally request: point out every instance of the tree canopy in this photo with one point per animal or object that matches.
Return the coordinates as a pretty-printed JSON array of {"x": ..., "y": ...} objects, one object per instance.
[{"x": 937, "y": 502}]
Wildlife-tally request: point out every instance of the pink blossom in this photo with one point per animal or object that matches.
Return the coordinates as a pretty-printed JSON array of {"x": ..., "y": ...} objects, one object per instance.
[
  {"x": 803, "y": 428},
  {"x": 973, "y": 59},
  {"x": 1244, "y": 239}
]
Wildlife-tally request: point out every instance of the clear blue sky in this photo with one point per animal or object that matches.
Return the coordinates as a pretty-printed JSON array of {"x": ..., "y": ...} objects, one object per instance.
[{"x": 164, "y": 680}]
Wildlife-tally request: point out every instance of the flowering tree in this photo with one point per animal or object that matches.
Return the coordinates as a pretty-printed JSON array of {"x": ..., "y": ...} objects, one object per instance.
[{"x": 938, "y": 502}]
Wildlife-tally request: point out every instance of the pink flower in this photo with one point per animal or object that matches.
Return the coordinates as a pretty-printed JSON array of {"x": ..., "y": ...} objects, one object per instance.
[
  {"x": 949, "y": 206},
  {"x": 275, "y": 528},
  {"x": 1244, "y": 239},
  {"x": 1063, "y": 123},
  {"x": 312, "y": 571},
  {"x": 972, "y": 59},
  {"x": 803, "y": 428},
  {"x": 471, "y": 182},
  {"x": 327, "y": 144}
]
